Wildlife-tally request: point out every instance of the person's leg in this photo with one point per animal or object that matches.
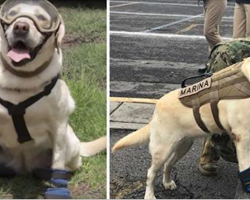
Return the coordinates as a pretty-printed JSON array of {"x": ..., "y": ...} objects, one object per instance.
[
  {"x": 214, "y": 10},
  {"x": 209, "y": 158},
  {"x": 247, "y": 12},
  {"x": 239, "y": 25}
]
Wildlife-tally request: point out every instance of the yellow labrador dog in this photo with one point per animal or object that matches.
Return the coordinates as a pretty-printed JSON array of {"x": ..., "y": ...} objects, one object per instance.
[
  {"x": 35, "y": 103},
  {"x": 173, "y": 127}
]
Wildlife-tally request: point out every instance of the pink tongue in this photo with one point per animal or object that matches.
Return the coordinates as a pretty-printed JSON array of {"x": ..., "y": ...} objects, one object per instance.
[{"x": 18, "y": 55}]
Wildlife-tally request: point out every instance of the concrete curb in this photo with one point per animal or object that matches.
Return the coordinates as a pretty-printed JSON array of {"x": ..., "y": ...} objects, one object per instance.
[{"x": 130, "y": 116}]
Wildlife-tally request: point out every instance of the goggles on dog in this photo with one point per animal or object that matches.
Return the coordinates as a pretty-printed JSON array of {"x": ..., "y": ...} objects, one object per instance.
[{"x": 45, "y": 17}]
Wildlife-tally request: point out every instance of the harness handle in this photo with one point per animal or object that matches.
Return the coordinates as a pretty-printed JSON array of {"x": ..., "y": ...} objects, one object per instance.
[{"x": 206, "y": 75}]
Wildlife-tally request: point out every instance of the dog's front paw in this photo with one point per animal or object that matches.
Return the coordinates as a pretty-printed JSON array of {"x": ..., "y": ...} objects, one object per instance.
[
  {"x": 59, "y": 179},
  {"x": 170, "y": 185}
]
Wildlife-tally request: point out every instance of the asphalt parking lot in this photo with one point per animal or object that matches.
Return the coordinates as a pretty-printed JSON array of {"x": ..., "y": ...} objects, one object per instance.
[{"x": 155, "y": 45}]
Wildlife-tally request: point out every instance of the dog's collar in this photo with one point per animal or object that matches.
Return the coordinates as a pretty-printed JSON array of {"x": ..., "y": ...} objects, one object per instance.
[{"x": 25, "y": 74}]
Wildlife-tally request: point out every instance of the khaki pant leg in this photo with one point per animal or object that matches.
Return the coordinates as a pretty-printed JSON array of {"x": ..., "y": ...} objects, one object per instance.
[
  {"x": 214, "y": 10},
  {"x": 247, "y": 11},
  {"x": 239, "y": 25}
]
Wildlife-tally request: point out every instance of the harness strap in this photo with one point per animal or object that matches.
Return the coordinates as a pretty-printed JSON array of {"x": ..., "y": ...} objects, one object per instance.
[
  {"x": 215, "y": 112},
  {"x": 25, "y": 74},
  {"x": 197, "y": 116},
  {"x": 214, "y": 96},
  {"x": 242, "y": 88},
  {"x": 17, "y": 111},
  {"x": 21, "y": 129}
]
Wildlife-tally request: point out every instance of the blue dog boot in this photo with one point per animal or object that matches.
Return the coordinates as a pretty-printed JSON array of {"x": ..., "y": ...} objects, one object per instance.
[
  {"x": 48, "y": 173},
  {"x": 59, "y": 182},
  {"x": 57, "y": 193},
  {"x": 61, "y": 174},
  {"x": 59, "y": 178},
  {"x": 245, "y": 179}
]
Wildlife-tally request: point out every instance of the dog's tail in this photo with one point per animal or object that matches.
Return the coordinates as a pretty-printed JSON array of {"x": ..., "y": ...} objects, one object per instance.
[
  {"x": 94, "y": 147},
  {"x": 138, "y": 137}
]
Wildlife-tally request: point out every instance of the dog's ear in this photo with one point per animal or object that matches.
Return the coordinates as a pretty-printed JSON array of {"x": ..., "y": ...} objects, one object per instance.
[{"x": 60, "y": 34}]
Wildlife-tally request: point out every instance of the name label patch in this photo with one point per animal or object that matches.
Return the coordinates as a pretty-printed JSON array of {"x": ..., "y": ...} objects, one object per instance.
[{"x": 195, "y": 88}]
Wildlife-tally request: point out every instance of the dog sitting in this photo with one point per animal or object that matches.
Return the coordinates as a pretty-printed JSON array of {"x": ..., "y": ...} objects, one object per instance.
[{"x": 174, "y": 125}]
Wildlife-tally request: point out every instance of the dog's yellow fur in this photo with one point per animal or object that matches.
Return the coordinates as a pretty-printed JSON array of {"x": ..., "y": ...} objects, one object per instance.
[{"x": 172, "y": 129}]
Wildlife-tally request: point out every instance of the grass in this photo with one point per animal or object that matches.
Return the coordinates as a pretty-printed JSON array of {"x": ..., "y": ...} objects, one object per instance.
[
  {"x": 85, "y": 73},
  {"x": 94, "y": 26}
]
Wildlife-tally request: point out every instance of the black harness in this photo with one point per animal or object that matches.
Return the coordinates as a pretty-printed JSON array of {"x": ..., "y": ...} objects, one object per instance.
[{"x": 17, "y": 111}]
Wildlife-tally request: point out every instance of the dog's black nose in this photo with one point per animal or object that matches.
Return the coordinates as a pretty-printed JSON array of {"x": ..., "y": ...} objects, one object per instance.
[{"x": 21, "y": 28}]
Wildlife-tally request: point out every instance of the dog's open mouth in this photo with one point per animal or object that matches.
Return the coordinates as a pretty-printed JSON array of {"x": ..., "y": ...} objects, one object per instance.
[{"x": 19, "y": 52}]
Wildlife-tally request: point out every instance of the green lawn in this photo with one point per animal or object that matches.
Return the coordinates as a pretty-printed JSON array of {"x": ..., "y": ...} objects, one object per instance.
[{"x": 84, "y": 71}]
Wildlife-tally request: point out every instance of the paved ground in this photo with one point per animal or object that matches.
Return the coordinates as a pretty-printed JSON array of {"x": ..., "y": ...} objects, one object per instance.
[{"x": 154, "y": 45}]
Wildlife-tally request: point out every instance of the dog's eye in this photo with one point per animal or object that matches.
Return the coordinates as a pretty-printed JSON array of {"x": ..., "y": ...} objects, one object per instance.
[
  {"x": 41, "y": 17},
  {"x": 12, "y": 13}
]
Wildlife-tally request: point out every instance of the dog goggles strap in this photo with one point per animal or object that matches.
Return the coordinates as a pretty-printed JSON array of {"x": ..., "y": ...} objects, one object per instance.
[
  {"x": 24, "y": 74},
  {"x": 245, "y": 179}
]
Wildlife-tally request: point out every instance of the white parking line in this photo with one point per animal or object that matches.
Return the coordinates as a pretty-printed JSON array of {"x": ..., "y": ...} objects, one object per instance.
[
  {"x": 149, "y": 14},
  {"x": 159, "y": 14},
  {"x": 161, "y": 3},
  {"x": 126, "y": 4},
  {"x": 158, "y": 3},
  {"x": 194, "y": 37},
  {"x": 173, "y": 23}
]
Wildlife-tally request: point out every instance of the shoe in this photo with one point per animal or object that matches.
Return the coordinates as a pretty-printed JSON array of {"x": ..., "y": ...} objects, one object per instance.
[
  {"x": 202, "y": 69},
  {"x": 208, "y": 169}
]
